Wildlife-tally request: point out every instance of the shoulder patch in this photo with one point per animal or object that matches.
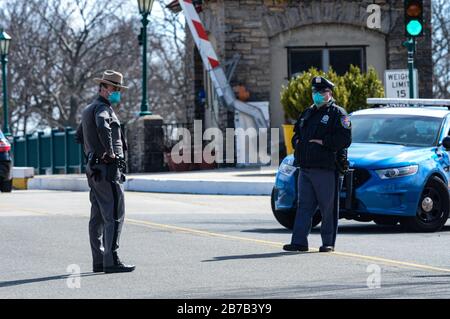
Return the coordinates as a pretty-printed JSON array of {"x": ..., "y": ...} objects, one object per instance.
[{"x": 345, "y": 122}]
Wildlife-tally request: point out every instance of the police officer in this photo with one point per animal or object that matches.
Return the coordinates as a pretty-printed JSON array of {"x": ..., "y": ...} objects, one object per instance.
[
  {"x": 321, "y": 133},
  {"x": 104, "y": 146}
]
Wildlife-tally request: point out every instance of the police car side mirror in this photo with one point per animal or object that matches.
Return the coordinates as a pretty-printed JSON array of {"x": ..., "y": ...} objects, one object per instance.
[{"x": 446, "y": 143}]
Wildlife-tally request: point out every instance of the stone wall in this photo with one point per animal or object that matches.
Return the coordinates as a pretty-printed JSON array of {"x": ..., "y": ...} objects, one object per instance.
[
  {"x": 192, "y": 77},
  {"x": 145, "y": 137},
  {"x": 246, "y": 27}
]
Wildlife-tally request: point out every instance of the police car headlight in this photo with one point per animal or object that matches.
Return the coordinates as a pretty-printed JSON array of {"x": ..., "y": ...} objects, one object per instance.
[
  {"x": 397, "y": 172},
  {"x": 286, "y": 169}
]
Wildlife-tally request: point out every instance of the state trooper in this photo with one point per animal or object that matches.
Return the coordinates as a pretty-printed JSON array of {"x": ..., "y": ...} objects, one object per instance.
[
  {"x": 321, "y": 136},
  {"x": 104, "y": 146}
]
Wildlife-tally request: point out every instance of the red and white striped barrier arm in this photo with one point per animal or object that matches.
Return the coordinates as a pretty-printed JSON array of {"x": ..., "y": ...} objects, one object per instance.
[
  {"x": 213, "y": 67},
  {"x": 200, "y": 36}
]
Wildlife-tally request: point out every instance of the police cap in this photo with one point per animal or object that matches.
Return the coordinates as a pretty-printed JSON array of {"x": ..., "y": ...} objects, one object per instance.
[{"x": 320, "y": 83}]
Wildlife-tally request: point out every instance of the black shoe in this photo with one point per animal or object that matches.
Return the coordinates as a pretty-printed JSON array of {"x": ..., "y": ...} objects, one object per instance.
[
  {"x": 97, "y": 268},
  {"x": 293, "y": 247},
  {"x": 326, "y": 249},
  {"x": 119, "y": 267}
]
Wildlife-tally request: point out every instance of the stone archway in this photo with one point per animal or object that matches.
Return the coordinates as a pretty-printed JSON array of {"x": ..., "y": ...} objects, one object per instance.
[{"x": 314, "y": 12}]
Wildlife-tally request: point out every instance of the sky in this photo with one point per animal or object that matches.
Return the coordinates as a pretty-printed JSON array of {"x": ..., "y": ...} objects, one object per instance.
[
  {"x": 132, "y": 7},
  {"x": 131, "y": 10}
]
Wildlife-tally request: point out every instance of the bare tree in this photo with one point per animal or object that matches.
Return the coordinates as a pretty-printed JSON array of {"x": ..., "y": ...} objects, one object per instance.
[
  {"x": 441, "y": 48},
  {"x": 54, "y": 56},
  {"x": 168, "y": 83},
  {"x": 59, "y": 47}
]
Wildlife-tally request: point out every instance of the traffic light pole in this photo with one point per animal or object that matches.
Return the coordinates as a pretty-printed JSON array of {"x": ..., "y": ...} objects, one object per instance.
[
  {"x": 411, "y": 45},
  {"x": 414, "y": 27}
]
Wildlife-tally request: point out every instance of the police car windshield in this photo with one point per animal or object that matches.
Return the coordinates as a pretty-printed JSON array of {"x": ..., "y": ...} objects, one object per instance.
[{"x": 395, "y": 129}]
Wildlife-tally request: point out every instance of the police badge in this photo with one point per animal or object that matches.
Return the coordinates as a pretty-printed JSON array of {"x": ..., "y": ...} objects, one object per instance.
[{"x": 325, "y": 119}]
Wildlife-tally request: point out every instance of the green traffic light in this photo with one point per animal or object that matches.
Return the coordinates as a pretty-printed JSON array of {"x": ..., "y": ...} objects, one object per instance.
[{"x": 414, "y": 28}]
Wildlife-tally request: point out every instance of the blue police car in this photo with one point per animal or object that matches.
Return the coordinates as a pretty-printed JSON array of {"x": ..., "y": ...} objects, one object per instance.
[{"x": 399, "y": 167}]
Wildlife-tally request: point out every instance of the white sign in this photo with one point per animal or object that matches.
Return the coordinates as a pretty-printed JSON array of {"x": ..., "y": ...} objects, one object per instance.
[{"x": 396, "y": 84}]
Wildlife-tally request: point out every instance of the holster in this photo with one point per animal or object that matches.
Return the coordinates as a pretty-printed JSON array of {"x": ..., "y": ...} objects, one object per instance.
[
  {"x": 114, "y": 169},
  {"x": 113, "y": 173},
  {"x": 92, "y": 169},
  {"x": 342, "y": 163}
]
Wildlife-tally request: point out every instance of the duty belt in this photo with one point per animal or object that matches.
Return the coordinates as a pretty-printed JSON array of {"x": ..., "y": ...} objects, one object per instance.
[
  {"x": 97, "y": 160},
  {"x": 118, "y": 160}
]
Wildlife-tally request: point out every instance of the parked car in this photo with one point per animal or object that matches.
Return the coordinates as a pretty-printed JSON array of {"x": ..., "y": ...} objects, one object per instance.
[
  {"x": 5, "y": 164},
  {"x": 399, "y": 165}
]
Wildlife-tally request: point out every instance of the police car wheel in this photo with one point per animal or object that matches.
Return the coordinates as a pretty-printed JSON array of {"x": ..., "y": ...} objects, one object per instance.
[
  {"x": 287, "y": 217},
  {"x": 433, "y": 208},
  {"x": 6, "y": 186}
]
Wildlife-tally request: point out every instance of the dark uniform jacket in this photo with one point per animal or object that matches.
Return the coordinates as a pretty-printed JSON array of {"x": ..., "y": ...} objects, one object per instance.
[
  {"x": 330, "y": 124},
  {"x": 100, "y": 131}
]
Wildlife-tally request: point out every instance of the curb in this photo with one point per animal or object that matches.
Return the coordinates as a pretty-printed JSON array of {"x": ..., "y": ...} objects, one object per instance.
[
  {"x": 20, "y": 176},
  {"x": 160, "y": 185},
  {"x": 59, "y": 184}
]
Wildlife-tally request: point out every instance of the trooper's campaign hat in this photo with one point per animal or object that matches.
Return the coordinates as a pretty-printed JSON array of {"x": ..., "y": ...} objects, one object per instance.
[{"x": 112, "y": 78}]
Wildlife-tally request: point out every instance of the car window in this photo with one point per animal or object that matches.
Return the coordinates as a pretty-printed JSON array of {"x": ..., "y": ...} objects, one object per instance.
[{"x": 395, "y": 129}]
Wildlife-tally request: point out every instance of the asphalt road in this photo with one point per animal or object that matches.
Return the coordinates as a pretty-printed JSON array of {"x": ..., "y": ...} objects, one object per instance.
[{"x": 205, "y": 246}]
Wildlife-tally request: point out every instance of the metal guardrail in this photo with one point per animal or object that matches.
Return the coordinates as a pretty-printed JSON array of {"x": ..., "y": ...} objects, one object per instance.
[
  {"x": 54, "y": 153},
  {"x": 57, "y": 153}
]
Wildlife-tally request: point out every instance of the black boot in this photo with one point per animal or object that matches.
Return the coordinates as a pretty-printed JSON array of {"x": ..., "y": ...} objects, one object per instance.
[
  {"x": 97, "y": 268},
  {"x": 326, "y": 249},
  {"x": 293, "y": 247}
]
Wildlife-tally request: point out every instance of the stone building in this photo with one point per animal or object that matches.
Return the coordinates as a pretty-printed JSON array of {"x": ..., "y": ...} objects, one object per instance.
[{"x": 277, "y": 39}]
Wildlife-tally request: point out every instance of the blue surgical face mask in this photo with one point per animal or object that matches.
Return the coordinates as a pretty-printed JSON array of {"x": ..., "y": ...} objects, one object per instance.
[
  {"x": 114, "y": 97},
  {"x": 318, "y": 99}
]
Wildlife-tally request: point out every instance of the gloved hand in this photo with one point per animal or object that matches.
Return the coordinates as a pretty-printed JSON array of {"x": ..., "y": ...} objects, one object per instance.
[
  {"x": 121, "y": 163},
  {"x": 342, "y": 163},
  {"x": 108, "y": 159}
]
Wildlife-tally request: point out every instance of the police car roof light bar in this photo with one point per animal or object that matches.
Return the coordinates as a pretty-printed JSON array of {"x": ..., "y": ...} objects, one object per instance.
[{"x": 388, "y": 102}]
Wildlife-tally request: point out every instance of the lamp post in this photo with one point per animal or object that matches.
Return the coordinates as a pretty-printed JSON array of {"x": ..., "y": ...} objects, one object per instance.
[
  {"x": 145, "y": 7},
  {"x": 4, "y": 49}
]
